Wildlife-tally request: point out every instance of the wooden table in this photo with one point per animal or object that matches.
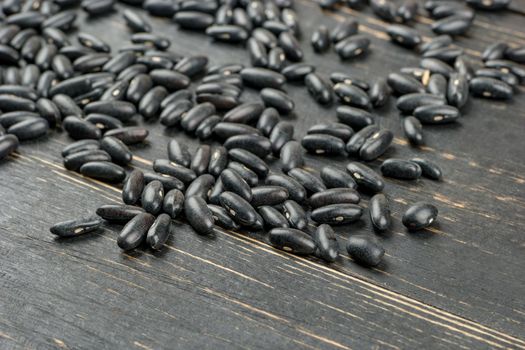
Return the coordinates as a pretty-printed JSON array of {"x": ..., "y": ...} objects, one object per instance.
[{"x": 459, "y": 284}]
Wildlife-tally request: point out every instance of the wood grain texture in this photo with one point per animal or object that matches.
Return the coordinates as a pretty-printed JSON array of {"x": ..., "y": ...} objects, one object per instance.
[{"x": 458, "y": 285}]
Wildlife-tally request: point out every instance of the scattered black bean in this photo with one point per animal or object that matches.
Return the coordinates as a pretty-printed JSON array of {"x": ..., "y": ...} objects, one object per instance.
[
  {"x": 291, "y": 240},
  {"x": 419, "y": 216},
  {"x": 118, "y": 213},
  {"x": 365, "y": 250},
  {"x": 76, "y": 227}
]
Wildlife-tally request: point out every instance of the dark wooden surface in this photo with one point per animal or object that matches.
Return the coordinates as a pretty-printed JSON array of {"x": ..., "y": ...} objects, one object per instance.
[{"x": 460, "y": 284}]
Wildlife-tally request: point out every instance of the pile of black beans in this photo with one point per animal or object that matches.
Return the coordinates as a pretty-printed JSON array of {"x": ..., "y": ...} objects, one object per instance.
[{"x": 232, "y": 181}]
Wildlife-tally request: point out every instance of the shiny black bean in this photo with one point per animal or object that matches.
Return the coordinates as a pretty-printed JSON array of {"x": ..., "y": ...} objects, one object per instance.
[
  {"x": 169, "y": 182},
  {"x": 265, "y": 37},
  {"x": 308, "y": 180},
  {"x": 250, "y": 160},
  {"x": 103, "y": 170},
  {"x": 428, "y": 169},
  {"x": 318, "y": 88},
  {"x": 45, "y": 55},
  {"x": 8, "y": 144},
  {"x": 193, "y": 20},
  {"x": 173, "y": 203},
  {"x": 507, "y": 67},
  {"x": 224, "y": 130},
  {"x": 11, "y": 76},
  {"x": 408, "y": 103},
  {"x": 75, "y": 160},
  {"x": 76, "y": 227},
  {"x": 260, "y": 78},
  {"x": 413, "y": 130},
  {"x": 227, "y": 33},
  {"x": 63, "y": 20},
  {"x": 78, "y": 128},
  {"x": 436, "y": 43},
  {"x": 365, "y": 250},
  {"x": 492, "y": 5},
  {"x": 297, "y": 72},
  {"x": 196, "y": 115},
  {"x": 338, "y": 77},
  {"x": 129, "y": 135},
  {"x": 295, "y": 214},
  {"x": 290, "y": 46},
  {"x": 19, "y": 91},
  {"x": 205, "y": 129},
  {"x": 400, "y": 169},
  {"x": 97, "y": 7},
  {"x": 292, "y": 240},
  {"x": 343, "y": 30},
  {"x": 490, "y": 88},
  {"x": 173, "y": 113},
  {"x": 121, "y": 110},
  {"x": 159, "y": 232},
  {"x": 404, "y": 84},
  {"x": 276, "y": 59},
  {"x": 256, "y": 144},
  {"x": 214, "y": 195},
  {"x": 152, "y": 197},
  {"x": 352, "y": 95},
  {"x": 183, "y": 94},
  {"x": 118, "y": 213},
  {"x": 221, "y": 217},
  {"x": 149, "y": 104},
  {"x": 10, "y": 103},
  {"x": 275, "y": 26},
  {"x": 376, "y": 145},
  {"x": 436, "y": 66},
  {"x": 245, "y": 113},
  {"x": 354, "y": 117},
  {"x": 291, "y": 156},
  {"x": 326, "y": 243},
  {"x": 12, "y": 118},
  {"x": 104, "y": 122},
  {"x": 201, "y": 159},
  {"x": 334, "y": 196},
  {"x": 452, "y": 25},
  {"x": 352, "y": 47},
  {"x": 516, "y": 54},
  {"x": 178, "y": 153},
  {"x": 323, "y": 144},
  {"x": 436, "y": 114},
  {"x": 133, "y": 187},
  {"x": 446, "y": 54},
  {"x": 257, "y": 52},
  {"x": 359, "y": 138},
  {"x": 296, "y": 191},
  {"x": 233, "y": 182},
  {"x": 119, "y": 62},
  {"x": 320, "y": 39},
  {"x": 419, "y": 216},
  {"x": 508, "y": 78},
  {"x": 365, "y": 177},
  {"x": 29, "y": 129},
  {"x": 171, "y": 80},
  {"x": 191, "y": 65},
  {"x": 118, "y": 151},
  {"x": 135, "y": 231},
  {"x": 272, "y": 217},
  {"x": 457, "y": 90},
  {"x": 201, "y": 187},
  {"x": 8, "y": 55},
  {"x": 218, "y": 160},
  {"x": 336, "y": 178},
  {"x": 28, "y": 19},
  {"x": 92, "y": 42},
  {"x": 91, "y": 63},
  {"x": 132, "y": 71},
  {"x": 8, "y": 32},
  {"x": 29, "y": 75},
  {"x": 280, "y": 135},
  {"x": 218, "y": 88},
  {"x": 437, "y": 85},
  {"x": 404, "y": 36},
  {"x": 379, "y": 210},
  {"x": 45, "y": 82},
  {"x": 116, "y": 92},
  {"x": 268, "y": 195},
  {"x": 337, "y": 214},
  {"x": 341, "y": 131},
  {"x": 81, "y": 145},
  {"x": 267, "y": 121},
  {"x": 385, "y": 10},
  {"x": 238, "y": 208},
  {"x": 135, "y": 22},
  {"x": 248, "y": 175},
  {"x": 278, "y": 100}
]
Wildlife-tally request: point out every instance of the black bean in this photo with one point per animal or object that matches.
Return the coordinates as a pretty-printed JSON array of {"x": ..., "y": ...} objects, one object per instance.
[
  {"x": 428, "y": 168},
  {"x": 218, "y": 160},
  {"x": 291, "y": 156},
  {"x": 419, "y": 216},
  {"x": 436, "y": 43},
  {"x": 437, "y": 85},
  {"x": 98, "y": 7},
  {"x": 118, "y": 213},
  {"x": 132, "y": 71},
  {"x": 296, "y": 191},
  {"x": 133, "y": 186},
  {"x": 103, "y": 170},
  {"x": 104, "y": 122},
  {"x": 8, "y": 32},
  {"x": 224, "y": 130},
  {"x": 149, "y": 104},
  {"x": 376, "y": 145},
  {"x": 178, "y": 153},
  {"x": 19, "y": 91},
  {"x": 214, "y": 195},
  {"x": 336, "y": 178},
  {"x": 218, "y": 88},
  {"x": 81, "y": 145},
  {"x": 276, "y": 59},
  {"x": 11, "y": 76},
  {"x": 191, "y": 65},
  {"x": 260, "y": 78},
  {"x": 272, "y": 217},
  {"x": 10, "y": 103},
  {"x": 250, "y": 160},
  {"x": 278, "y": 100},
  {"x": 67, "y": 105},
  {"x": 355, "y": 117},
  {"x": 490, "y": 88},
  {"x": 404, "y": 84},
  {"x": 379, "y": 93},
  {"x": 129, "y": 135},
  {"x": 118, "y": 151},
  {"x": 256, "y": 144},
  {"x": 297, "y": 71},
  {"x": 45, "y": 55},
  {"x": 408, "y": 103},
  {"x": 379, "y": 209},
  {"x": 76, "y": 227},
  {"x": 221, "y": 217},
  {"x": 93, "y": 42},
  {"x": 507, "y": 67},
  {"x": 29, "y": 129},
  {"x": 76, "y": 159},
  {"x": 135, "y": 231},
  {"x": 233, "y": 182},
  {"x": 159, "y": 232},
  {"x": 308, "y": 180},
  {"x": 173, "y": 203},
  {"x": 334, "y": 196},
  {"x": 135, "y": 22},
  {"x": 160, "y": 42},
  {"x": 516, "y": 54},
  {"x": 116, "y": 92},
  {"x": 78, "y": 128},
  {"x": 258, "y": 53},
  {"x": 29, "y": 75},
  {"x": 352, "y": 47},
  {"x": 365, "y": 250},
  {"x": 268, "y": 195},
  {"x": 365, "y": 177},
  {"x": 202, "y": 186},
  {"x": 275, "y": 26},
  {"x": 152, "y": 197},
  {"x": 248, "y": 175},
  {"x": 384, "y": 9},
  {"x": 280, "y": 135},
  {"x": 295, "y": 214},
  {"x": 155, "y": 61},
  {"x": 91, "y": 63},
  {"x": 343, "y": 30},
  {"x": 491, "y": 5},
  {"x": 201, "y": 159},
  {"x": 268, "y": 119},
  {"x": 404, "y": 36},
  {"x": 321, "y": 39},
  {"x": 183, "y": 94},
  {"x": 171, "y": 80},
  {"x": 227, "y": 33},
  {"x": 436, "y": 114},
  {"x": 28, "y": 19},
  {"x": 323, "y": 144},
  {"x": 447, "y": 54},
  {"x": 224, "y": 15},
  {"x": 290, "y": 46},
  {"x": 8, "y": 55},
  {"x": 49, "y": 111},
  {"x": 457, "y": 91},
  {"x": 205, "y": 129},
  {"x": 450, "y": 9},
  {"x": 44, "y": 83},
  {"x": 238, "y": 208},
  {"x": 221, "y": 102},
  {"x": 436, "y": 66},
  {"x": 359, "y": 138},
  {"x": 413, "y": 130},
  {"x": 337, "y": 214},
  {"x": 245, "y": 113},
  {"x": 8, "y": 144},
  {"x": 169, "y": 182},
  {"x": 12, "y": 118},
  {"x": 452, "y": 25},
  {"x": 401, "y": 169},
  {"x": 265, "y": 37},
  {"x": 352, "y": 95},
  {"x": 326, "y": 243},
  {"x": 508, "y": 78},
  {"x": 193, "y": 20},
  {"x": 341, "y": 131},
  {"x": 292, "y": 240},
  {"x": 173, "y": 113}
]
